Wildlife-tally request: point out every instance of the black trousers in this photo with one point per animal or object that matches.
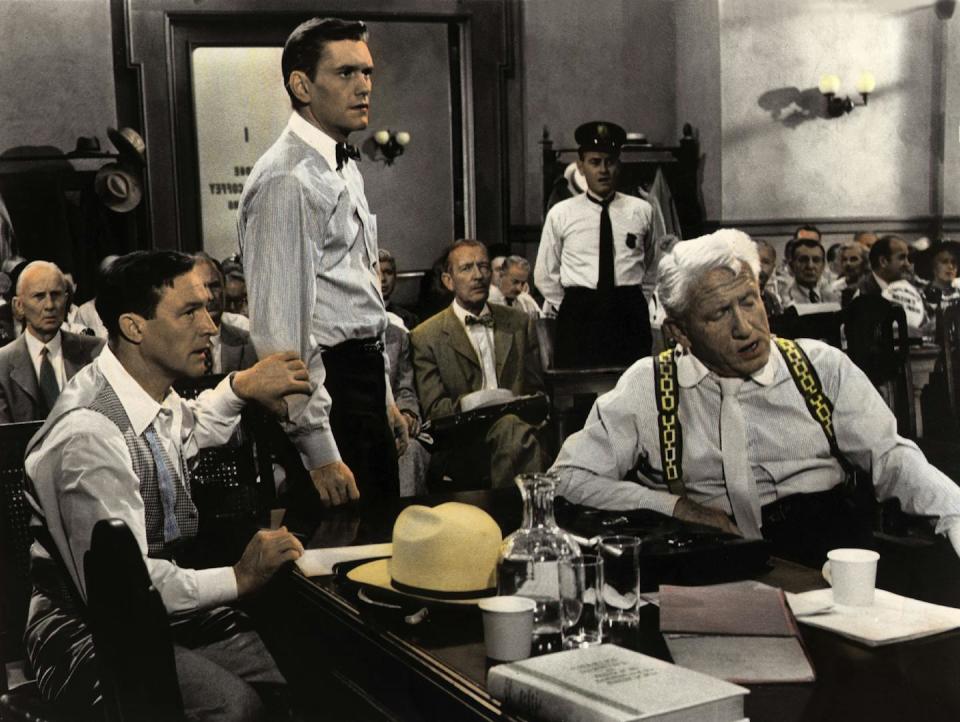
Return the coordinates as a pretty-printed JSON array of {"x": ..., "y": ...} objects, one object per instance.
[
  {"x": 357, "y": 387},
  {"x": 602, "y": 328}
]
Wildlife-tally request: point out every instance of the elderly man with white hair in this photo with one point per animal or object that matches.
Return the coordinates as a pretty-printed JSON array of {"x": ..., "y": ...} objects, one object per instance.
[
  {"x": 742, "y": 431},
  {"x": 35, "y": 367}
]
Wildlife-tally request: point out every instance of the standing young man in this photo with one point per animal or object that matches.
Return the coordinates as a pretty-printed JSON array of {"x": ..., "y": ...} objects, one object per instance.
[{"x": 309, "y": 245}]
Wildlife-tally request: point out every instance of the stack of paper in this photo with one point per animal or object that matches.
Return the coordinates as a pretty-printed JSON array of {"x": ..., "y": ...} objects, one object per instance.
[
  {"x": 742, "y": 632},
  {"x": 891, "y": 618}
]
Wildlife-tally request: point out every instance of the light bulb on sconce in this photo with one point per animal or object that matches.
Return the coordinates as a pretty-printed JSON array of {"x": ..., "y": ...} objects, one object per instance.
[
  {"x": 836, "y": 106},
  {"x": 390, "y": 144}
]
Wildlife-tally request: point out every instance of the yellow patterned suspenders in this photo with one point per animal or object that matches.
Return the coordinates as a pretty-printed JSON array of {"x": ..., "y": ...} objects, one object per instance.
[{"x": 671, "y": 432}]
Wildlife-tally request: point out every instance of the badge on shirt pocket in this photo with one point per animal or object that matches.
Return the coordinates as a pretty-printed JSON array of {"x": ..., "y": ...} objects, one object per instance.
[{"x": 631, "y": 240}]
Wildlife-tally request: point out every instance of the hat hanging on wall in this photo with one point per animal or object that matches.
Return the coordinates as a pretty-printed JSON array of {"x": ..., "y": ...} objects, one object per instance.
[
  {"x": 119, "y": 188},
  {"x": 129, "y": 144}
]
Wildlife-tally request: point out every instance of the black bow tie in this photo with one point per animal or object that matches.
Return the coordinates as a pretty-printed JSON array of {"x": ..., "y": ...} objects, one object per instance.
[
  {"x": 486, "y": 320},
  {"x": 345, "y": 152}
]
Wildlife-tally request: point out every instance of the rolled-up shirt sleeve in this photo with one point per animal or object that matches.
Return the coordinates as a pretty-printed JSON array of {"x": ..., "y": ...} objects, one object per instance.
[
  {"x": 86, "y": 458},
  {"x": 279, "y": 265},
  {"x": 594, "y": 462}
]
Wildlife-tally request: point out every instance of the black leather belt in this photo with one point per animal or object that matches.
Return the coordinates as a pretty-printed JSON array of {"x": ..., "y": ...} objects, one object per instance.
[
  {"x": 821, "y": 501},
  {"x": 356, "y": 346}
]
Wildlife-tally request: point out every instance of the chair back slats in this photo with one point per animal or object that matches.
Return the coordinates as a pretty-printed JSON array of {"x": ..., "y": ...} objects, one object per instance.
[{"x": 15, "y": 538}]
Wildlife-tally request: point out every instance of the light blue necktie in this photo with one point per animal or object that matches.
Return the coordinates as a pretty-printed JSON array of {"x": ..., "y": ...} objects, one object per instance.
[{"x": 166, "y": 484}]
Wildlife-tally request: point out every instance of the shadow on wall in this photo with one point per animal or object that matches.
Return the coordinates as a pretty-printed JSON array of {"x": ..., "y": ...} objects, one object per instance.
[{"x": 791, "y": 107}]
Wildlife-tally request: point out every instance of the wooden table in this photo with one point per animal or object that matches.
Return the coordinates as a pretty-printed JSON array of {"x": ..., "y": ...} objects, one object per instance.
[{"x": 436, "y": 670}]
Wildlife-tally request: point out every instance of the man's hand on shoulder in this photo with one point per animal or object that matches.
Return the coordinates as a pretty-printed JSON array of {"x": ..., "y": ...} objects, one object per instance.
[
  {"x": 691, "y": 511},
  {"x": 270, "y": 380},
  {"x": 398, "y": 425},
  {"x": 265, "y": 553},
  {"x": 335, "y": 484}
]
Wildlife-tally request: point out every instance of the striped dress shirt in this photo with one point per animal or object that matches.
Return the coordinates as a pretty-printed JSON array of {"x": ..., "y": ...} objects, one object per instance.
[
  {"x": 787, "y": 448},
  {"x": 309, "y": 245}
]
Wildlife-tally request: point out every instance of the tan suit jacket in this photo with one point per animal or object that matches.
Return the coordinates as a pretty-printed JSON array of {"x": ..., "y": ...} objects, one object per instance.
[{"x": 447, "y": 367}]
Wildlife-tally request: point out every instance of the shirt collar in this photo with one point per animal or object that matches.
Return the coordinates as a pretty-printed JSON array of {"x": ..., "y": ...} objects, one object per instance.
[
  {"x": 691, "y": 370},
  {"x": 139, "y": 406},
  {"x": 880, "y": 282},
  {"x": 462, "y": 313},
  {"x": 314, "y": 137},
  {"x": 596, "y": 199},
  {"x": 34, "y": 344}
]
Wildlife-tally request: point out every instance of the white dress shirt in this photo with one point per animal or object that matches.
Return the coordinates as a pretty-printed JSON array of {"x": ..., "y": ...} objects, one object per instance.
[
  {"x": 481, "y": 338},
  {"x": 787, "y": 448},
  {"x": 54, "y": 352},
  {"x": 87, "y": 317},
  {"x": 795, "y": 294},
  {"x": 569, "y": 253},
  {"x": 523, "y": 302},
  {"x": 82, "y": 472},
  {"x": 310, "y": 259}
]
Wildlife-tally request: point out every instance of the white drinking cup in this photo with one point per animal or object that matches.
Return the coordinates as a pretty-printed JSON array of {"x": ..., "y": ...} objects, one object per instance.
[
  {"x": 507, "y": 627},
  {"x": 853, "y": 575}
]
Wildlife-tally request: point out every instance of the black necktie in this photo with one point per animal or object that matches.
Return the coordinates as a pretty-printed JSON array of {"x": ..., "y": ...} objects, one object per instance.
[
  {"x": 486, "y": 320},
  {"x": 345, "y": 152},
  {"x": 814, "y": 296},
  {"x": 605, "y": 277},
  {"x": 511, "y": 301},
  {"x": 208, "y": 361},
  {"x": 48, "y": 379}
]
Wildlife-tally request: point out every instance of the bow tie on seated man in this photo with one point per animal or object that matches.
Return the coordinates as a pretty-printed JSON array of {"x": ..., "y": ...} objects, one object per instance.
[
  {"x": 471, "y": 346},
  {"x": 345, "y": 153}
]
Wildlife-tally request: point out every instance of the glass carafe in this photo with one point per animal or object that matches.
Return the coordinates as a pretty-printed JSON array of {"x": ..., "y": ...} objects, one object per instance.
[{"x": 529, "y": 558}]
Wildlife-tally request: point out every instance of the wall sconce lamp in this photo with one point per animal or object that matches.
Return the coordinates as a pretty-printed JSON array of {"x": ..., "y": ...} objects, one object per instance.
[
  {"x": 390, "y": 144},
  {"x": 836, "y": 106}
]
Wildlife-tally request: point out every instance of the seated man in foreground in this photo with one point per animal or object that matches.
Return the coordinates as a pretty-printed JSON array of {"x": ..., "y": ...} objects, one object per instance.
[
  {"x": 473, "y": 346},
  {"x": 750, "y": 447},
  {"x": 116, "y": 445}
]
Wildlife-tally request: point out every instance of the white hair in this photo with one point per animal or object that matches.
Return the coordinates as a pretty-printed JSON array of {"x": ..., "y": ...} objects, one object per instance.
[
  {"x": 38, "y": 264},
  {"x": 681, "y": 270}
]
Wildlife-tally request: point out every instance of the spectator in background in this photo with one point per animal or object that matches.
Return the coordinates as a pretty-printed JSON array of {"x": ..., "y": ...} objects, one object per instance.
[
  {"x": 87, "y": 315},
  {"x": 496, "y": 270},
  {"x": 512, "y": 288},
  {"x": 807, "y": 264},
  {"x": 235, "y": 287},
  {"x": 889, "y": 263},
  {"x": 853, "y": 264},
  {"x": 230, "y": 348},
  {"x": 865, "y": 239},
  {"x": 938, "y": 267},
  {"x": 388, "y": 283},
  {"x": 35, "y": 367},
  {"x": 768, "y": 264},
  {"x": 413, "y": 462},
  {"x": 474, "y": 346}
]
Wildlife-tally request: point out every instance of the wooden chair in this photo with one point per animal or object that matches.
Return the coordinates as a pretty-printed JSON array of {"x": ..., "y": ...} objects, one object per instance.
[
  {"x": 878, "y": 342},
  {"x": 565, "y": 384},
  {"x": 234, "y": 480},
  {"x": 820, "y": 326},
  {"x": 131, "y": 630},
  {"x": 21, "y": 702}
]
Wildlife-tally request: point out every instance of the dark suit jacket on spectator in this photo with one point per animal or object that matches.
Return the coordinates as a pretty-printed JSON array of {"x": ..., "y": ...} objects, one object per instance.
[
  {"x": 20, "y": 397},
  {"x": 236, "y": 349}
]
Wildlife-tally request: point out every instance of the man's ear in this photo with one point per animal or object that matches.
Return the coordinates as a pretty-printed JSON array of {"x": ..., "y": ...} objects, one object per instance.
[
  {"x": 131, "y": 327},
  {"x": 17, "y": 308},
  {"x": 447, "y": 281},
  {"x": 674, "y": 329},
  {"x": 299, "y": 85}
]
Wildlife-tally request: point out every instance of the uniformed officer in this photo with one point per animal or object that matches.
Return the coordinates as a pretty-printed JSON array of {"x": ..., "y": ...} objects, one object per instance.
[{"x": 594, "y": 250}]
